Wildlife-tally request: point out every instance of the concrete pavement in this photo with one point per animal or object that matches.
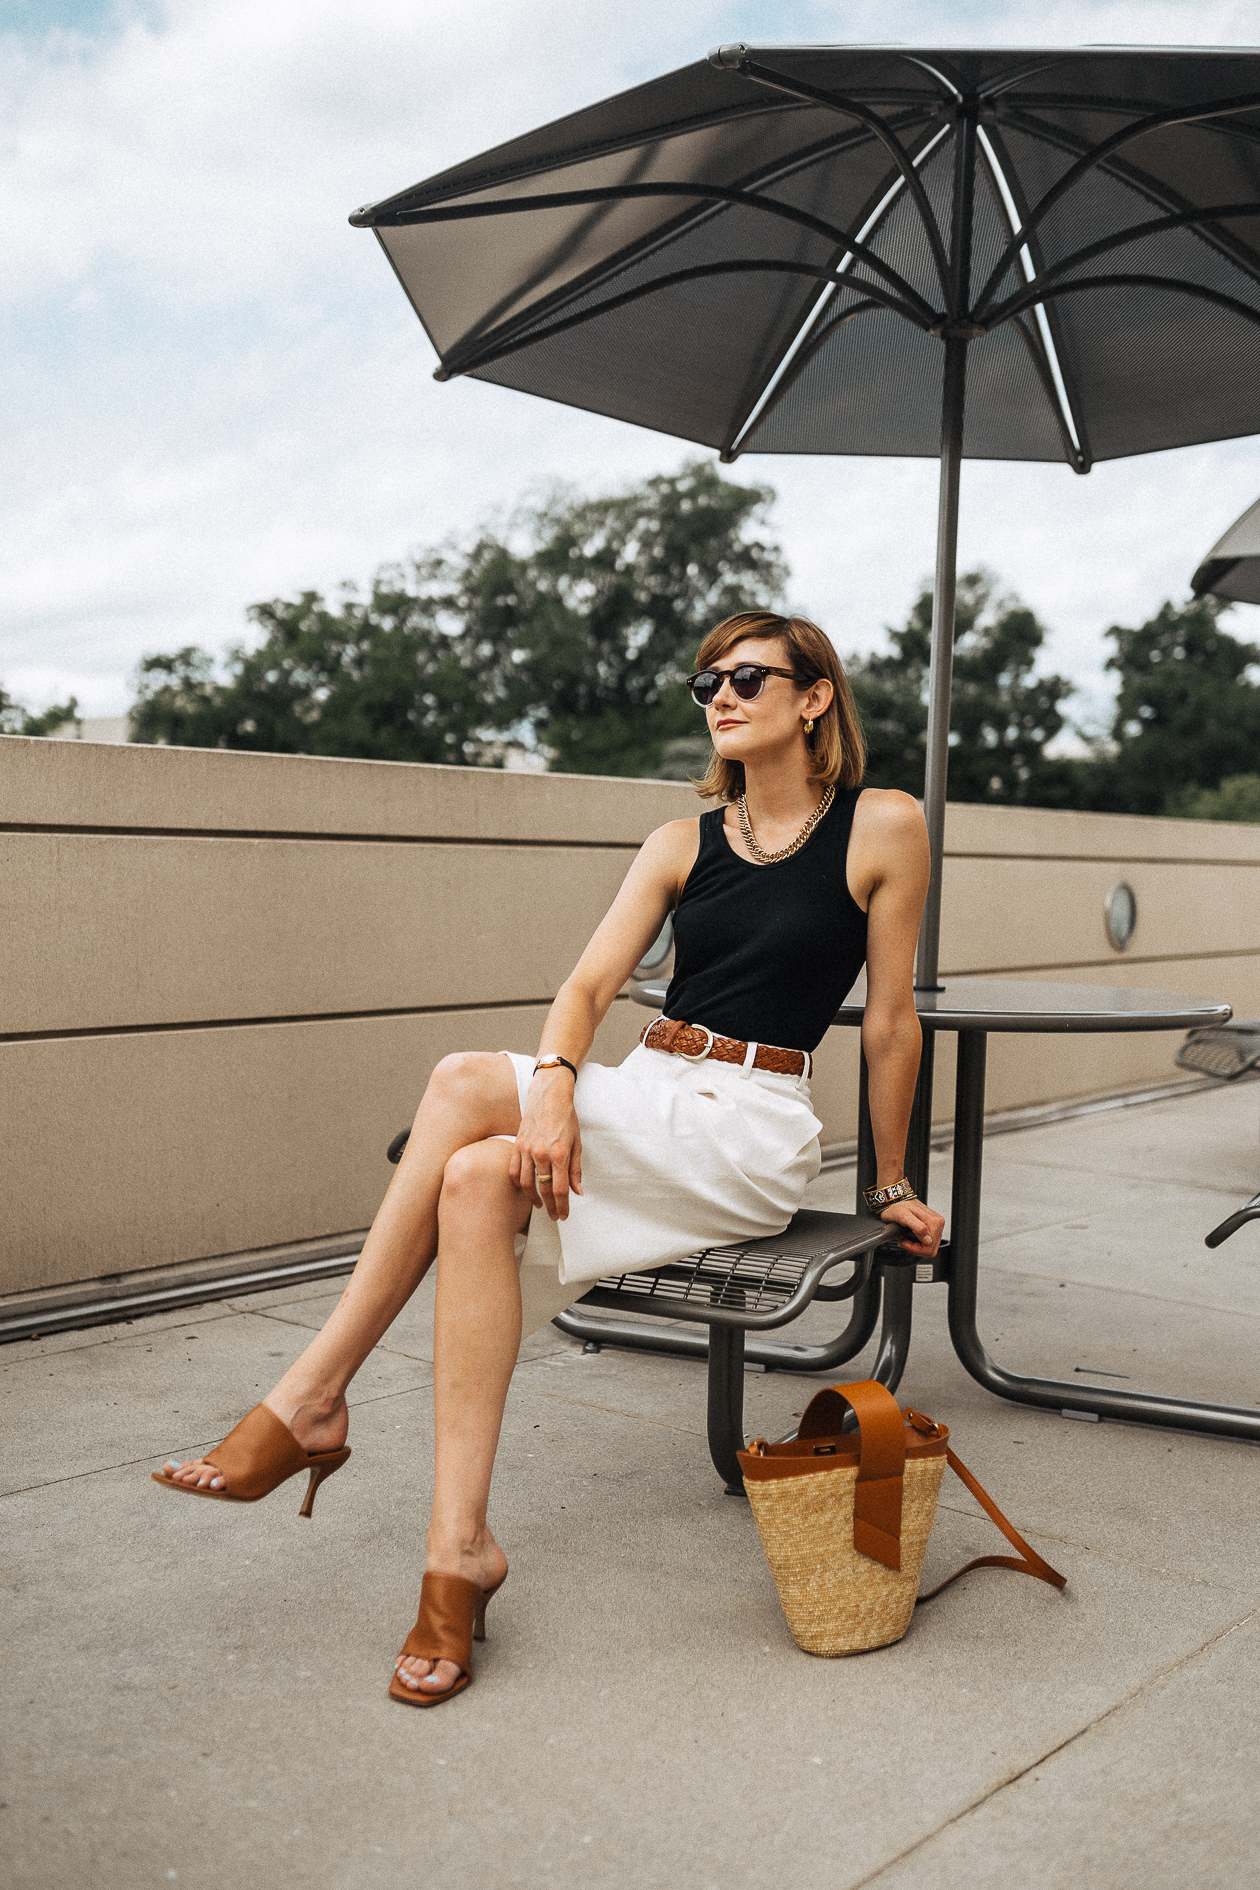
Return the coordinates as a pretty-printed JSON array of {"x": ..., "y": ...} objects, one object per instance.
[{"x": 195, "y": 1693}]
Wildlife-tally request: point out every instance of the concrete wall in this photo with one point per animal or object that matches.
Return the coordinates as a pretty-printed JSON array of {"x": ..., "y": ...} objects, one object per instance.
[{"x": 227, "y": 976}]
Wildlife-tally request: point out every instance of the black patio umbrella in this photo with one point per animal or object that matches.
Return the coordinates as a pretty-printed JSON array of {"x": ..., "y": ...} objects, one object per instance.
[
  {"x": 1035, "y": 255},
  {"x": 1232, "y": 567}
]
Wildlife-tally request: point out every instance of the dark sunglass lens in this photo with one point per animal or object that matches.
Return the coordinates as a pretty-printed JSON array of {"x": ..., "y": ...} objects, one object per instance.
[
  {"x": 746, "y": 682},
  {"x": 704, "y": 687}
]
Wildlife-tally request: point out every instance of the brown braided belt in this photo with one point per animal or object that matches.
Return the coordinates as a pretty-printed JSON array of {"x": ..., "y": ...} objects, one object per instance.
[{"x": 697, "y": 1041}]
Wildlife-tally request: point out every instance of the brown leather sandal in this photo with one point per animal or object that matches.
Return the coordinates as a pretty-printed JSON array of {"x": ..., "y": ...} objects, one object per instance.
[
  {"x": 258, "y": 1456},
  {"x": 452, "y": 1616}
]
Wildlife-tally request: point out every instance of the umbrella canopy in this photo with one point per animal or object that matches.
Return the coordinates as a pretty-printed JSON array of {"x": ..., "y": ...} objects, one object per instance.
[
  {"x": 1232, "y": 567},
  {"x": 1031, "y": 255}
]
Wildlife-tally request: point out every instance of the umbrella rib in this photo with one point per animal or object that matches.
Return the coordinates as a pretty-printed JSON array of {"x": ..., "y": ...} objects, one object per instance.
[
  {"x": 711, "y": 193},
  {"x": 796, "y": 88},
  {"x": 988, "y": 93},
  {"x": 1017, "y": 304},
  {"x": 635, "y": 252},
  {"x": 1188, "y": 219},
  {"x": 793, "y": 370},
  {"x": 786, "y": 365},
  {"x": 1049, "y": 365},
  {"x": 485, "y": 356},
  {"x": 1071, "y": 446},
  {"x": 1154, "y": 121},
  {"x": 1159, "y": 192}
]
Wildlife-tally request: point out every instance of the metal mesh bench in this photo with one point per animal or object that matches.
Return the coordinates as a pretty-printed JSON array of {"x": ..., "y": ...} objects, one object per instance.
[
  {"x": 1227, "y": 1052},
  {"x": 738, "y": 1291},
  {"x": 732, "y": 1291}
]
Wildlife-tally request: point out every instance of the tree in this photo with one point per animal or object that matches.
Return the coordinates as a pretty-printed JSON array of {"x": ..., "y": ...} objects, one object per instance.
[
  {"x": 1002, "y": 714},
  {"x": 15, "y": 720},
  {"x": 618, "y": 593},
  {"x": 1237, "y": 798},
  {"x": 390, "y": 679},
  {"x": 570, "y": 629},
  {"x": 1188, "y": 710}
]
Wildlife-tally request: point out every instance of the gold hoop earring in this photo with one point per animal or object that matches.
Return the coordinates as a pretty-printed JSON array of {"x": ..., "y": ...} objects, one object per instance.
[{"x": 809, "y": 725}]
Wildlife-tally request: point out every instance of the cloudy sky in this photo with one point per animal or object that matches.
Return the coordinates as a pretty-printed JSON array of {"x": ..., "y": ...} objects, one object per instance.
[{"x": 216, "y": 392}]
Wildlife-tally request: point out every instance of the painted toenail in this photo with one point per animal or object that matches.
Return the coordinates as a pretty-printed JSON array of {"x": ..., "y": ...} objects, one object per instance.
[{"x": 216, "y": 1483}]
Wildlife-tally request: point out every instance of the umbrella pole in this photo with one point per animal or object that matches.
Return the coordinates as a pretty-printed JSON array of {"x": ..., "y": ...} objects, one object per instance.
[
  {"x": 942, "y": 660},
  {"x": 956, "y": 333}
]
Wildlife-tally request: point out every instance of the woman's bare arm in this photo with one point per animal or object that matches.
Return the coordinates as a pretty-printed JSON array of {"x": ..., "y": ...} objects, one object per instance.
[
  {"x": 549, "y": 1140},
  {"x": 890, "y": 865}
]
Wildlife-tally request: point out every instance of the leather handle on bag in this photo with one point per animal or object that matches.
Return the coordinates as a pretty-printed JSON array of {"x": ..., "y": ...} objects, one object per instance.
[{"x": 881, "y": 1461}]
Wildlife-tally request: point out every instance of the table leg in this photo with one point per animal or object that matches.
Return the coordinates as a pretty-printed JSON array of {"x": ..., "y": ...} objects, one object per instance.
[{"x": 1049, "y": 1394}]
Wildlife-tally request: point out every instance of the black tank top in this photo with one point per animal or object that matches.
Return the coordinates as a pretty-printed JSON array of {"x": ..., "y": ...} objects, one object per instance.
[{"x": 768, "y": 952}]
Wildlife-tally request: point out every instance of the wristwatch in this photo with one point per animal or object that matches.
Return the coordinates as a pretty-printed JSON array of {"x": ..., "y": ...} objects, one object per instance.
[
  {"x": 877, "y": 1198},
  {"x": 552, "y": 1060}
]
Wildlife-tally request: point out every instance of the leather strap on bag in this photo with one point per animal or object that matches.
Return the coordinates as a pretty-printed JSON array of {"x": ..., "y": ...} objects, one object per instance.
[
  {"x": 881, "y": 1467},
  {"x": 1028, "y": 1562},
  {"x": 877, "y": 1496}
]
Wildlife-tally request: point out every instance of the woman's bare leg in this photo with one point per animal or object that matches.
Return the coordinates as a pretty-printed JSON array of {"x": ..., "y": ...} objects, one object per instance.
[
  {"x": 477, "y": 1334},
  {"x": 469, "y": 1097}
]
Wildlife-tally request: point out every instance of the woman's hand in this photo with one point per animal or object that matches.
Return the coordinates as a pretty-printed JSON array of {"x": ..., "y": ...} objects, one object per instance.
[
  {"x": 546, "y": 1162},
  {"x": 922, "y": 1223}
]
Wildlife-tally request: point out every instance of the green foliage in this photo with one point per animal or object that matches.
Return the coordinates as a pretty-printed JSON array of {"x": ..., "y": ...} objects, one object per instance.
[
  {"x": 383, "y": 679},
  {"x": 1003, "y": 714},
  {"x": 1187, "y": 712},
  {"x": 1237, "y": 798},
  {"x": 572, "y": 629},
  {"x": 15, "y": 720}
]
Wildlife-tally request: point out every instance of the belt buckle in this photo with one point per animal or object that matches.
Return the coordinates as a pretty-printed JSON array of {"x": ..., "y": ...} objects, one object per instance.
[{"x": 702, "y": 1054}]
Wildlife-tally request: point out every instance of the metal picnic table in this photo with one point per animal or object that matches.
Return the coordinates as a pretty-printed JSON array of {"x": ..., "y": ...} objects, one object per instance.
[{"x": 974, "y": 1008}]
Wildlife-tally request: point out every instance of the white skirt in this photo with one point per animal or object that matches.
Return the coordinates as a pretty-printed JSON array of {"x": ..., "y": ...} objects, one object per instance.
[{"x": 676, "y": 1156}]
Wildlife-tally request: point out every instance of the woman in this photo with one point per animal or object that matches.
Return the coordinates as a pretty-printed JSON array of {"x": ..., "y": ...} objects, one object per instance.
[{"x": 703, "y": 1136}]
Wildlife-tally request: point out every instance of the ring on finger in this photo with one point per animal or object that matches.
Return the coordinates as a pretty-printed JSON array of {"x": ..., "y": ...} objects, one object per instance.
[{"x": 541, "y": 1178}]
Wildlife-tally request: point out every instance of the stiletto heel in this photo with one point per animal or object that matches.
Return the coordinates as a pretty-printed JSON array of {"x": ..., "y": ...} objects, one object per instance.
[
  {"x": 452, "y": 1616},
  {"x": 256, "y": 1458},
  {"x": 319, "y": 1473}
]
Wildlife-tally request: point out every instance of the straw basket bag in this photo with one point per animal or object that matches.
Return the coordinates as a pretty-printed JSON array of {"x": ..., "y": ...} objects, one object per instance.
[{"x": 844, "y": 1518}]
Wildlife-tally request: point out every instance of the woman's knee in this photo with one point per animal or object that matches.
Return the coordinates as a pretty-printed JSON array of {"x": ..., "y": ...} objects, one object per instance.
[
  {"x": 459, "y": 1080},
  {"x": 476, "y": 1173}
]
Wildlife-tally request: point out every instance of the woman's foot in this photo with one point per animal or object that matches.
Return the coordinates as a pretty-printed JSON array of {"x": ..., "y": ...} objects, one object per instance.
[
  {"x": 483, "y": 1563},
  {"x": 318, "y": 1423}
]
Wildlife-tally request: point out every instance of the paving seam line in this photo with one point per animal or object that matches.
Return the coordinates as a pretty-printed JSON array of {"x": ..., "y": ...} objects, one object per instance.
[
  {"x": 609, "y": 1410},
  {"x": 1146, "y": 1686},
  {"x": 839, "y": 1155},
  {"x": 131, "y": 1463},
  {"x": 1126, "y": 1292},
  {"x": 1112, "y": 1555}
]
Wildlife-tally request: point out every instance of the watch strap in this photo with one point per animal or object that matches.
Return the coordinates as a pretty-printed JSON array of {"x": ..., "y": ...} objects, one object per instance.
[{"x": 552, "y": 1060}]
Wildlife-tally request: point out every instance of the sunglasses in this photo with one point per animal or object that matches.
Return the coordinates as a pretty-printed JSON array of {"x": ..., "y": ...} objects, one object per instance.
[{"x": 747, "y": 681}]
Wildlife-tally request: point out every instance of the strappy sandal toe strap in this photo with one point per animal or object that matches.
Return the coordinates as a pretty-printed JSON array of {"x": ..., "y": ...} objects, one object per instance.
[
  {"x": 256, "y": 1458},
  {"x": 452, "y": 1616}
]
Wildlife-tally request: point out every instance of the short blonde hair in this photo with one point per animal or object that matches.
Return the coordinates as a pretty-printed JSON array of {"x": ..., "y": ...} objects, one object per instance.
[{"x": 837, "y": 750}]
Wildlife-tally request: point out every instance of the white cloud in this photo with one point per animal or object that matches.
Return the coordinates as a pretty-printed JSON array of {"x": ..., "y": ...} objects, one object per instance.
[{"x": 219, "y": 393}]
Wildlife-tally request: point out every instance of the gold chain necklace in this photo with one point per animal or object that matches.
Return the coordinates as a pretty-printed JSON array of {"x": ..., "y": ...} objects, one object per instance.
[{"x": 793, "y": 846}]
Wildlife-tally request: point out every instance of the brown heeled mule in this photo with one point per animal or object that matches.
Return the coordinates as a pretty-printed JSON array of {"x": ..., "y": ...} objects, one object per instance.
[
  {"x": 452, "y": 1616},
  {"x": 256, "y": 1458}
]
